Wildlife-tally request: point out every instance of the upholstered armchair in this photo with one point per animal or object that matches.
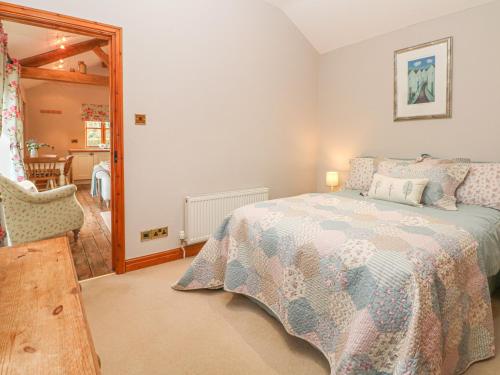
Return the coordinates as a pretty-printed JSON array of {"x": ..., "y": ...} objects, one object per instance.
[{"x": 29, "y": 215}]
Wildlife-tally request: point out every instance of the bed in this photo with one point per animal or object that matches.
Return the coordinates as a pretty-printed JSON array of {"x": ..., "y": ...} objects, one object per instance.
[{"x": 378, "y": 287}]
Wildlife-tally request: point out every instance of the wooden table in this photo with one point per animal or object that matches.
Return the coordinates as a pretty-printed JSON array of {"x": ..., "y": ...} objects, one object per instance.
[{"x": 43, "y": 328}]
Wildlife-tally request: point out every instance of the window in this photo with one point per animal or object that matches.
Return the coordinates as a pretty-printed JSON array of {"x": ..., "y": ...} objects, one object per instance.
[{"x": 96, "y": 133}]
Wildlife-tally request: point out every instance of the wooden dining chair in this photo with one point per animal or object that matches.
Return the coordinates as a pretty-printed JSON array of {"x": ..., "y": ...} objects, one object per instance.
[
  {"x": 68, "y": 174},
  {"x": 42, "y": 171}
]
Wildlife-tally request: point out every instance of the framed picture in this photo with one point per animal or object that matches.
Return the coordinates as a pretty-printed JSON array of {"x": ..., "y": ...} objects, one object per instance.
[{"x": 422, "y": 81}]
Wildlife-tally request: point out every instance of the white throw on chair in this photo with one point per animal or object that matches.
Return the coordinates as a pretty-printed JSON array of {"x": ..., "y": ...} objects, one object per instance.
[
  {"x": 104, "y": 186},
  {"x": 101, "y": 183},
  {"x": 30, "y": 215}
]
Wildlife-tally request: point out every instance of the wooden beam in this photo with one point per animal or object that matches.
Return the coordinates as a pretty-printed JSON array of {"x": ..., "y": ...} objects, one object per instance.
[
  {"x": 63, "y": 76},
  {"x": 57, "y": 54},
  {"x": 102, "y": 55},
  {"x": 56, "y": 21}
]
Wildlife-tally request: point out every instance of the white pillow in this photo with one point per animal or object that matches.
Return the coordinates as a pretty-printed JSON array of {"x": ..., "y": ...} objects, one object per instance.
[{"x": 400, "y": 190}]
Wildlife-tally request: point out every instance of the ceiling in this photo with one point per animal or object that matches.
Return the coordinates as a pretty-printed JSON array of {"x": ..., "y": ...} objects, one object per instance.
[
  {"x": 331, "y": 24},
  {"x": 25, "y": 41}
]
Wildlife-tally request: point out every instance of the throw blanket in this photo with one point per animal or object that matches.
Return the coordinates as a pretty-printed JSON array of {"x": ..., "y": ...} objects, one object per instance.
[
  {"x": 378, "y": 291},
  {"x": 102, "y": 167}
]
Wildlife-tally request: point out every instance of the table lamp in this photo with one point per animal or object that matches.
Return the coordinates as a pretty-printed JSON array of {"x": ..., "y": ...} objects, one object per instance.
[{"x": 332, "y": 179}]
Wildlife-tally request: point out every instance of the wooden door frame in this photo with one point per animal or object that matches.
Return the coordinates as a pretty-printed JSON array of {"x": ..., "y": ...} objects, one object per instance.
[{"x": 42, "y": 18}]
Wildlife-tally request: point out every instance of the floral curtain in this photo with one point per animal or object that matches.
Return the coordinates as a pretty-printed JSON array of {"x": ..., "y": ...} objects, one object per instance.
[
  {"x": 95, "y": 112},
  {"x": 4, "y": 58},
  {"x": 12, "y": 107}
]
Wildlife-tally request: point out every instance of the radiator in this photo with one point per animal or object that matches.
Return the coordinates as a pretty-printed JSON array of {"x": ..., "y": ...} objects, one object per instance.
[{"x": 204, "y": 213}]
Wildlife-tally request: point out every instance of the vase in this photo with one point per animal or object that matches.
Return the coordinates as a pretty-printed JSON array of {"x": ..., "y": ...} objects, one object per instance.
[{"x": 33, "y": 153}]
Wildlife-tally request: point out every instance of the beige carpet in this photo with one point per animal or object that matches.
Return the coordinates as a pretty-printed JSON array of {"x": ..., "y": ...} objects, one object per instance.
[{"x": 141, "y": 326}]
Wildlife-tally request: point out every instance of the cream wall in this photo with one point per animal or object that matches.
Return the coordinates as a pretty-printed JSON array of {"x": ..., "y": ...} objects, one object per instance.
[
  {"x": 356, "y": 95},
  {"x": 230, "y": 92},
  {"x": 58, "y": 129}
]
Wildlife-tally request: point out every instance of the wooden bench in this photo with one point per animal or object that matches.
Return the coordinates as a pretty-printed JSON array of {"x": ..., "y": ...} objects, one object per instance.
[{"x": 43, "y": 327}]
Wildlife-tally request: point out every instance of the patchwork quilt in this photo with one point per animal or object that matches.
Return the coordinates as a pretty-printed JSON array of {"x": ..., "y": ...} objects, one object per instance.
[{"x": 377, "y": 290}]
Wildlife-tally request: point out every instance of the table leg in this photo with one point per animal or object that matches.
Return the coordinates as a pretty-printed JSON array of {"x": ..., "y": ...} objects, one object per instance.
[{"x": 62, "y": 180}]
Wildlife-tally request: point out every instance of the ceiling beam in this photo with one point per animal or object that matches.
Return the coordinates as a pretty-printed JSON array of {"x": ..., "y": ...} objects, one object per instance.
[
  {"x": 102, "y": 55},
  {"x": 63, "y": 76},
  {"x": 57, "y": 54}
]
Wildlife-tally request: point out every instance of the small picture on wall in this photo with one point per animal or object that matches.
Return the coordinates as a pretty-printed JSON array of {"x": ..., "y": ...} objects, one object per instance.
[{"x": 422, "y": 81}]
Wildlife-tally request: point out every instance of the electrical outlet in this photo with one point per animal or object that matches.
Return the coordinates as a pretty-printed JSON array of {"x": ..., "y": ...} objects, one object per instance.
[{"x": 153, "y": 234}]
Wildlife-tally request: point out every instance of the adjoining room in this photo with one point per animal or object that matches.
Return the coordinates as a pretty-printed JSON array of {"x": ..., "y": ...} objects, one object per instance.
[{"x": 63, "y": 136}]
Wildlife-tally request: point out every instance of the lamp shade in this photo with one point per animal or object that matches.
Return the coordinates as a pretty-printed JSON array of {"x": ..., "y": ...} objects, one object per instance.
[{"x": 332, "y": 179}]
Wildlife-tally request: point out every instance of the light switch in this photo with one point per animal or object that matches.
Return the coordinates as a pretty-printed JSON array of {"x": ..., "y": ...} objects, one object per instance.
[{"x": 140, "y": 119}]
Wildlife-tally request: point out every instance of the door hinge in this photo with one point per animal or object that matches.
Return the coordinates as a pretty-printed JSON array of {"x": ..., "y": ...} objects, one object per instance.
[{"x": 116, "y": 156}]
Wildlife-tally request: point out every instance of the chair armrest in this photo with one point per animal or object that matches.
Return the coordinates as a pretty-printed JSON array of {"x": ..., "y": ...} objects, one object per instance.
[
  {"x": 28, "y": 185},
  {"x": 50, "y": 195}
]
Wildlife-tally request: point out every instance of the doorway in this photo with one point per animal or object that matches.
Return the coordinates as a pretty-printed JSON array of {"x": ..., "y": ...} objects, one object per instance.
[{"x": 101, "y": 35}]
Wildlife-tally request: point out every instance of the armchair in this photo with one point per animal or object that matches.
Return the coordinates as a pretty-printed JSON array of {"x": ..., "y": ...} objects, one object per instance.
[{"x": 29, "y": 215}]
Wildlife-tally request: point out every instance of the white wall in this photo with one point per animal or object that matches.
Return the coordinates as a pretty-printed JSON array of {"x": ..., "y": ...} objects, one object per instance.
[
  {"x": 230, "y": 91},
  {"x": 58, "y": 130},
  {"x": 356, "y": 95}
]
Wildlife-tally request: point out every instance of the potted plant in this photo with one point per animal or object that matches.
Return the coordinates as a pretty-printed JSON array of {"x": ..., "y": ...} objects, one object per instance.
[{"x": 32, "y": 145}]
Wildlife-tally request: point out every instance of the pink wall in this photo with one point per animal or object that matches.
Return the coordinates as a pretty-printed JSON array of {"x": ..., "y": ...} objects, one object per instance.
[{"x": 58, "y": 129}]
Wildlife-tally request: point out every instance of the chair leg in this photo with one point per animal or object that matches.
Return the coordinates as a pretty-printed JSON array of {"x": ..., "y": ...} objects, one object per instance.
[{"x": 76, "y": 233}]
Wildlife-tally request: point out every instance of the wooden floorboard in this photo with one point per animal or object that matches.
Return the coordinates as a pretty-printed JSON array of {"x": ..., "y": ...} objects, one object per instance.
[
  {"x": 80, "y": 260},
  {"x": 94, "y": 256},
  {"x": 92, "y": 252},
  {"x": 103, "y": 245}
]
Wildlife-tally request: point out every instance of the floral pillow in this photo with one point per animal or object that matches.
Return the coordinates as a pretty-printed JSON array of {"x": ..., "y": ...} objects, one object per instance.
[
  {"x": 482, "y": 186},
  {"x": 385, "y": 166},
  {"x": 360, "y": 173},
  {"x": 362, "y": 170},
  {"x": 444, "y": 180}
]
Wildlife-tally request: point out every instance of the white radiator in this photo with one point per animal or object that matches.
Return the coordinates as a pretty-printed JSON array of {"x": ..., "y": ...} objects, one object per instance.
[{"x": 204, "y": 213}]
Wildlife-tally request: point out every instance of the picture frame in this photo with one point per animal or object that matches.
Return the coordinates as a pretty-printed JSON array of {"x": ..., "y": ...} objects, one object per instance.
[{"x": 423, "y": 81}]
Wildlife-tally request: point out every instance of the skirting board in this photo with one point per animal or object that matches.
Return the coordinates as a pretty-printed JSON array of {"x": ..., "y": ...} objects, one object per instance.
[{"x": 159, "y": 258}]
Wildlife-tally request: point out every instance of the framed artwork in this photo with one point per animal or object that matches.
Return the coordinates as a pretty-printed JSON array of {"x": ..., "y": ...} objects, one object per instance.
[{"x": 422, "y": 81}]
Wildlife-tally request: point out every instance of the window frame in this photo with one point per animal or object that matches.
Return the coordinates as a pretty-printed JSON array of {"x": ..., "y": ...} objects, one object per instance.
[{"x": 102, "y": 128}]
